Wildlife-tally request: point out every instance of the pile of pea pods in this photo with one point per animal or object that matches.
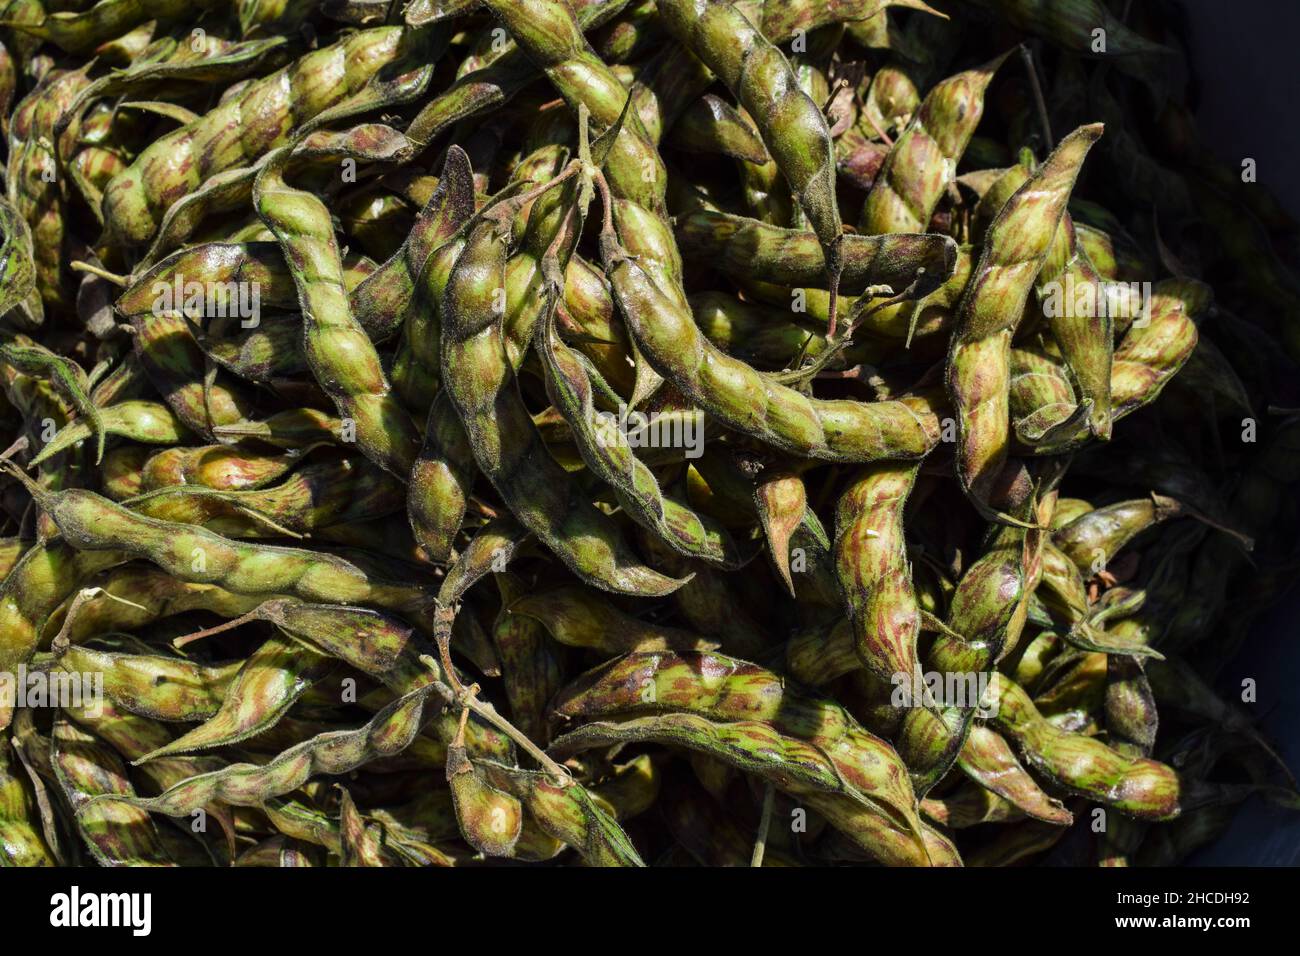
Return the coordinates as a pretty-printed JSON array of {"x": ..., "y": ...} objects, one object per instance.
[{"x": 633, "y": 432}]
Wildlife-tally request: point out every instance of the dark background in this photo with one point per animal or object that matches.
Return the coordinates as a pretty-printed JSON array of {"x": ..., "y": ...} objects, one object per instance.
[{"x": 1244, "y": 56}]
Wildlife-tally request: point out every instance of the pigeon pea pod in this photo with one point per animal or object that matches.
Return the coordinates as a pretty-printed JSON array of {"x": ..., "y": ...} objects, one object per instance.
[
  {"x": 795, "y": 766},
  {"x": 145, "y": 595},
  {"x": 17, "y": 267},
  {"x": 242, "y": 128},
  {"x": 490, "y": 819},
  {"x": 79, "y": 31},
  {"x": 690, "y": 692},
  {"x": 605, "y": 449},
  {"x": 389, "y": 732},
  {"x": 979, "y": 356},
  {"x": 21, "y": 842},
  {"x": 1092, "y": 540},
  {"x": 263, "y": 689},
  {"x": 315, "y": 496},
  {"x": 783, "y": 19},
  {"x": 43, "y": 578},
  {"x": 987, "y": 759},
  {"x": 530, "y": 665},
  {"x": 1040, "y": 398},
  {"x": 577, "y": 618},
  {"x": 744, "y": 399},
  {"x": 32, "y": 183},
  {"x": 66, "y": 377},
  {"x": 567, "y": 812},
  {"x": 1080, "y": 317},
  {"x": 89, "y": 522},
  {"x": 11, "y": 549},
  {"x": 138, "y": 420},
  {"x": 338, "y": 351},
  {"x": 791, "y": 125},
  {"x": 749, "y": 248},
  {"x": 220, "y": 467},
  {"x": 90, "y": 774},
  {"x": 872, "y": 567},
  {"x": 1138, "y": 786},
  {"x": 710, "y": 125},
  {"x": 505, "y": 443},
  {"x": 495, "y": 83},
  {"x": 1072, "y": 24},
  {"x": 154, "y": 685},
  {"x": 923, "y": 161},
  {"x": 441, "y": 480},
  {"x": 388, "y": 297}
]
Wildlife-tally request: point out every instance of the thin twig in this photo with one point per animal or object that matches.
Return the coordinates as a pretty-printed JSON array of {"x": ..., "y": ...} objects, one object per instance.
[
  {"x": 765, "y": 821},
  {"x": 1041, "y": 104}
]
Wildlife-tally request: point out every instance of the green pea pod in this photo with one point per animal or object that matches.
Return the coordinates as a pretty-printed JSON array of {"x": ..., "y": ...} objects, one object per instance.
[
  {"x": 969, "y": 805},
  {"x": 796, "y": 767},
  {"x": 1080, "y": 314},
  {"x": 375, "y": 644}
]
